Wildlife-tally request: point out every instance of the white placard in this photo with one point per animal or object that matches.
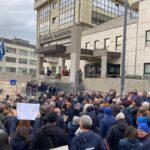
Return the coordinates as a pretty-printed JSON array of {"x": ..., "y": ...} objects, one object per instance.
[
  {"x": 27, "y": 111},
  {"x": 61, "y": 148}
]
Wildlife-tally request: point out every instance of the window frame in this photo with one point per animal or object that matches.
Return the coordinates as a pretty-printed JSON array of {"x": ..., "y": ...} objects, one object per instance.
[
  {"x": 117, "y": 42},
  {"x": 147, "y": 41}
]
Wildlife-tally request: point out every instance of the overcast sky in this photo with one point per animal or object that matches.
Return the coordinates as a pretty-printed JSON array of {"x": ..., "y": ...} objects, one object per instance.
[{"x": 18, "y": 19}]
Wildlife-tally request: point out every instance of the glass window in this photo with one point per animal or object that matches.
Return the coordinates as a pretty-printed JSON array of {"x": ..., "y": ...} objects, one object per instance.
[
  {"x": 23, "y": 61},
  {"x": 147, "y": 41},
  {"x": 147, "y": 68},
  {"x": 10, "y": 69},
  {"x": 86, "y": 45},
  {"x": 44, "y": 13},
  {"x": 10, "y": 50},
  {"x": 54, "y": 20},
  {"x": 54, "y": 5},
  {"x": 118, "y": 42},
  {"x": 106, "y": 43},
  {"x": 33, "y": 71},
  {"x": 96, "y": 44},
  {"x": 32, "y": 62},
  {"x": 1, "y": 69},
  {"x": 11, "y": 59},
  {"x": 23, "y": 52},
  {"x": 66, "y": 13},
  {"x": 22, "y": 70},
  {"x": 104, "y": 10},
  {"x": 32, "y": 54}
]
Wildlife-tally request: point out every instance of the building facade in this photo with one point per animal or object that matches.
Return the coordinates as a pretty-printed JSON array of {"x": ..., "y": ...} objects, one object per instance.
[
  {"x": 19, "y": 58},
  {"x": 92, "y": 42}
]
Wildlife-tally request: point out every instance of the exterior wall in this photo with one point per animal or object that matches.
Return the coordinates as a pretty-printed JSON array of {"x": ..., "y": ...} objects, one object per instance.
[
  {"x": 104, "y": 85},
  {"x": 12, "y": 90},
  {"x": 143, "y": 54},
  {"x": 16, "y": 55},
  {"x": 112, "y": 34}
]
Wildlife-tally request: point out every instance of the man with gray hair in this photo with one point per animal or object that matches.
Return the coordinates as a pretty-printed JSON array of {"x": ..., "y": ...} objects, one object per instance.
[{"x": 87, "y": 139}]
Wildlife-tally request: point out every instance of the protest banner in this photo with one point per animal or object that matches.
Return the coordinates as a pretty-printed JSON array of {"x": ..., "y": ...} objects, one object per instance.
[
  {"x": 61, "y": 148},
  {"x": 27, "y": 111}
]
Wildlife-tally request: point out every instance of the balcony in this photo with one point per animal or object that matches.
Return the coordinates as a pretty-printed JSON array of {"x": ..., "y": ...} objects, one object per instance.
[
  {"x": 134, "y": 4},
  {"x": 39, "y": 3}
]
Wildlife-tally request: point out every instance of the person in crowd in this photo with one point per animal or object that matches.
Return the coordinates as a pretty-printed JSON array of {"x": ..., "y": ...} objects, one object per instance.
[
  {"x": 49, "y": 72},
  {"x": 87, "y": 139},
  {"x": 144, "y": 135},
  {"x": 4, "y": 140},
  {"x": 131, "y": 140},
  {"x": 116, "y": 108},
  {"x": 21, "y": 141},
  {"x": 49, "y": 136},
  {"x": 107, "y": 121},
  {"x": 79, "y": 74},
  {"x": 72, "y": 128},
  {"x": 116, "y": 132}
]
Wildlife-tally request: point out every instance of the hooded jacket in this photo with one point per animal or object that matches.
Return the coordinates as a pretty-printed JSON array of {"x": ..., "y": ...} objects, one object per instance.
[
  {"x": 50, "y": 136},
  {"x": 87, "y": 140},
  {"x": 115, "y": 133},
  {"x": 130, "y": 144},
  {"x": 106, "y": 123}
]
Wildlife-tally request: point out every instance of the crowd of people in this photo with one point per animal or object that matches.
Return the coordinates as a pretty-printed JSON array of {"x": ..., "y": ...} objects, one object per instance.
[{"x": 85, "y": 121}]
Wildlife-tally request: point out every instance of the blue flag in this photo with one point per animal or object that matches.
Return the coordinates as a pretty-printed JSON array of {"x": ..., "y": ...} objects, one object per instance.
[{"x": 2, "y": 50}]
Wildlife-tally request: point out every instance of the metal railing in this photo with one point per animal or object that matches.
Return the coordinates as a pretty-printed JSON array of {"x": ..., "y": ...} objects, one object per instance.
[{"x": 31, "y": 91}]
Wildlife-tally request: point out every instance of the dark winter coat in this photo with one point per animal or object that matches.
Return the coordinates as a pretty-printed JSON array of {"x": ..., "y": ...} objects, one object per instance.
[
  {"x": 87, "y": 140},
  {"x": 19, "y": 143},
  {"x": 106, "y": 123},
  {"x": 115, "y": 109},
  {"x": 50, "y": 136},
  {"x": 130, "y": 144},
  {"x": 71, "y": 131},
  {"x": 116, "y": 133},
  {"x": 146, "y": 142}
]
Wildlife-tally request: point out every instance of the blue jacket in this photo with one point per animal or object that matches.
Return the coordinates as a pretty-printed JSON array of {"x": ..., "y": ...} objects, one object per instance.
[
  {"x": 11, "y": 125},
  {"x": 128, "y": 112},
  {"x": 106, "y": 123},
  {"x": 71, "y": 131},
  {"x": 129, "y": 144},
  {"x": 87, "y": 140},
  {"x": 19, "y": 143},
  {"x": 146, "y": 142},
  {"x": 99, "y": 118}
]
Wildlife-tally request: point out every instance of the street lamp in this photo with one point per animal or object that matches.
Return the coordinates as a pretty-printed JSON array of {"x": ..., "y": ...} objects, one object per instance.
[{"x": 122, "y": 83}]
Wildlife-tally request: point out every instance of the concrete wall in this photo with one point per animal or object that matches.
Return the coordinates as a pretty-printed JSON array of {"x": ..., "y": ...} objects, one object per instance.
[
  {"x": 143, "y": 53},
  {"x": 112, "y": 30},
  {"x": 104, "y": 85},
  {"x": 10, "y": 89}
]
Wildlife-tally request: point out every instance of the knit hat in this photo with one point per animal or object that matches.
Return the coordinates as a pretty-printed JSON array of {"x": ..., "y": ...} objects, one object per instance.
[
  {"x": 143, "y": 126},
  {"x": 52, "y": 117},
  {"x": 120, "y": 116},
  {"x": 142, "y": 119},
  {"x": 108, "y": 111}
]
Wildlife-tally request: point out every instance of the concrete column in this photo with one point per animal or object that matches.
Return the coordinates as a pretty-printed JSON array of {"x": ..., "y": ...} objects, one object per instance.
[
  {"x": 61, "y": 63},
  {"x": 104, "y": 66},
  {"x": 75, "y": 52},
  {"x": 40, "y": 65}
]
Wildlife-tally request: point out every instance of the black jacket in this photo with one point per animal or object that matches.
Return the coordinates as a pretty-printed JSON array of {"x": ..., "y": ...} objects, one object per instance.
[
  {"x": 50, "y": 136},
  {"x": 115, "y": 133}
]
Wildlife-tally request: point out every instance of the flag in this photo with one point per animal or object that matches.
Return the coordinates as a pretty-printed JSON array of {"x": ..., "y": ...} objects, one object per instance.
[{"x": 2, "y": 50}]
